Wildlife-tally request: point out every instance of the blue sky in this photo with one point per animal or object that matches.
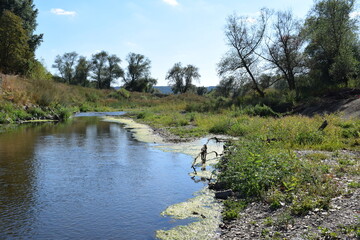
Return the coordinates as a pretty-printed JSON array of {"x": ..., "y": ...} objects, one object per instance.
[{"x": 165, "y": 31}]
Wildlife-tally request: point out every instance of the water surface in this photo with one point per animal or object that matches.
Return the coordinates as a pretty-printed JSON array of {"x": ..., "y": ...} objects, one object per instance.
[{"x": 87, "y": 179}]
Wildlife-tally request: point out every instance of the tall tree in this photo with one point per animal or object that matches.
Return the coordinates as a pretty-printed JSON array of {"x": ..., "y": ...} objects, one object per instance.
[
  {"x": 138, "y": 77},
  {"x": 181, "y": 78},
  {"x": 15, "y": 55},
  {"x": 244, "y": 36},
  {"x": 284, "y": 48},
  {"x": 106, "y": 69},
  {"x": 332, "y": 40},
  {"x": 98, "y": 67},
  {"x": 65, "y": 64},
  {"x": 82, "y": 71},
  {"x": 25, "y": 9},
  {"x": 114, "y": 70}
]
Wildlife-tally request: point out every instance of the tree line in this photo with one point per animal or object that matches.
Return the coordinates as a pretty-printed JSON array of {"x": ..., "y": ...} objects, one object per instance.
[
  {"x": 104, "y": 68},
  {"x": 280, "y": 51}
]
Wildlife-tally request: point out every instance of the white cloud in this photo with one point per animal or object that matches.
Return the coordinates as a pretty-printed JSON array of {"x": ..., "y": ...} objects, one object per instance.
[
  {"x": 171, "y": 2},
  {"x": 59, "y": 11},
  {"x": 355, "y": 14}
]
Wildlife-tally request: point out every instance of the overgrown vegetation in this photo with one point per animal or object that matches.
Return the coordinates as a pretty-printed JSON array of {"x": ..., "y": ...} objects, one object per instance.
[{"x": 23, "y": 99}]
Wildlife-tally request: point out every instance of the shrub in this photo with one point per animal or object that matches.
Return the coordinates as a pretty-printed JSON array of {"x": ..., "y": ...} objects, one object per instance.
[
  {"x": 124, "y": 93},
  {"x": 233, "y": 208},
  {"x": 220, "y": 127},
  {"x": 260, "y": 110},
  {"x": 255, "y": 168},
  {"x": 310, "y": 137}
]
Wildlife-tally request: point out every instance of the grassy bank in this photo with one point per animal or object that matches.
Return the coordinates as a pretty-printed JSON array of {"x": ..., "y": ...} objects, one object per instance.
[
  {"x": 285, "y": 163},
  {"x": 23, "y": 99}
]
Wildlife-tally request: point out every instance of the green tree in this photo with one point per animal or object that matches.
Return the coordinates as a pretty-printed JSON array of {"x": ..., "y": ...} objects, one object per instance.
[
  {"x": 105, "y": 69},
  {"x": 98, "y": 68},
  {"x": 82, "y": 71},
  {"x": 201, "y": 90},
  {"x": 15, "y": 55},
  {"x": 65, "y": 64},
  {"x": 138, "y": 77},
  {"x": 181, "y": 78},
  {"x": 25, "y": 9},
  {"x": 228, "y": 87},
  {"x": 333, "y": 41},
  {"x": 114, "y": 70}
]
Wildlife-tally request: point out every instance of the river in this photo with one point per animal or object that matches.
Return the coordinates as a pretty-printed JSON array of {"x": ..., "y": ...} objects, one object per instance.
[{"x": 87, "y": 179}]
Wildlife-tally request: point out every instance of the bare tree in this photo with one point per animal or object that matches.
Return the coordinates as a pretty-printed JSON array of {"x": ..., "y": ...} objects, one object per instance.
[
  {"x": 244, "y": 36},
  {"x": 284, "y": 47}
]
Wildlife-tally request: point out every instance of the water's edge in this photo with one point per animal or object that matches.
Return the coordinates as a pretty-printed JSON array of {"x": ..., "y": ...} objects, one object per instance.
[{"x": 203, "y": 207}]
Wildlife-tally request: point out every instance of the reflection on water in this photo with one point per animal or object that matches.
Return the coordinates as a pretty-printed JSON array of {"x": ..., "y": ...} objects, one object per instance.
[{"x": 87, "y": 179}]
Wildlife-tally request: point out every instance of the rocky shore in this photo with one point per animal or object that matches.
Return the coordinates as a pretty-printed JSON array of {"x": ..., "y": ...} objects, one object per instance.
[{"x": 341, "y": 221}]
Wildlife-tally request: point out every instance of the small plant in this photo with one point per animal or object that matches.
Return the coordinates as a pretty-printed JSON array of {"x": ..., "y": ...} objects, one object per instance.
[
  {"x": 283, "y": 221},
  {"x": 233, "y": 208},
  {"x": 143, "y": 115},
  {"x": 354, "y": 185},
  {"x": 269, "y": 221},
  {"x": 327, "y": 234}
]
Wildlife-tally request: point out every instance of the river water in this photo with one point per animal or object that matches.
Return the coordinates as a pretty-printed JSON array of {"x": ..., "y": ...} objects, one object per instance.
[{"x": 87, "y": 179}]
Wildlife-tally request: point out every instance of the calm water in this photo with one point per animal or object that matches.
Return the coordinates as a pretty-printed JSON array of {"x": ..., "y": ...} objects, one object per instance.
[{"x": 87, "y": 179}]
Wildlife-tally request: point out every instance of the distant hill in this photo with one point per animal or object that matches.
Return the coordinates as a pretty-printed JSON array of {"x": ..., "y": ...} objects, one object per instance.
[
  {"x": 167, "y": 89},
  {"x": 164, "y": 89}
]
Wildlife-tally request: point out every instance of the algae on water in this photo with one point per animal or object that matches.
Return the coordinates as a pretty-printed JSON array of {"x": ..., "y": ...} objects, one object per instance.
[{"x": 202, "y": 206}]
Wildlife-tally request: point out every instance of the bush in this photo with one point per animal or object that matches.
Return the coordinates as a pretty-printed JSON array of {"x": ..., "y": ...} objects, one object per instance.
[
  {"x": 220, "y": 127},
  {"x": 233, "y": 208},
  {"x": 124, "y": 93},
  {"x": 310, "y": 137},
  {"x": 255, "y": 168},
  {"x": 260, "y": 110}
]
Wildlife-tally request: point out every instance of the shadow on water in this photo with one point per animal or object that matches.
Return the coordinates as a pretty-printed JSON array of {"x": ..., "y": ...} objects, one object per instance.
[{"x": 87, "y": 179}]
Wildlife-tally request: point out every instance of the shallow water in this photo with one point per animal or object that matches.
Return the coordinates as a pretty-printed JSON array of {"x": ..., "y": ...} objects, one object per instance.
[{"x": 87, "y": 179}]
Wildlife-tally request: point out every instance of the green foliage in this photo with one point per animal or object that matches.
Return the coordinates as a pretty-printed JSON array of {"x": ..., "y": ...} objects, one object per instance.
[
  {"x": 256, "y": 168},
  {"x": 233, "y": 208},
  {"x": 28, "y": 14},
  {"x": 181, "y": 78},
  {"x": 262, "y": 111},
  {"x": 354, "y": 185},
  {"x": 310, "y": 137},
  {"x": 137, "y": 77},
  {"x": 124, "y": 93},
  {"x": 220, "y": 127},
  {"x": 39, "y": 72},
  {"x": 332, "y": 40},
  {"x": 15, "y": 54}
]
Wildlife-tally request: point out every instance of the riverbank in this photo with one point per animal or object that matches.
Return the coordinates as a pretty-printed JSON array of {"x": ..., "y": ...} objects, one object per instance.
[
  {"x": 203, "y": 208},
  {"x": 277, "y": 214}
]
